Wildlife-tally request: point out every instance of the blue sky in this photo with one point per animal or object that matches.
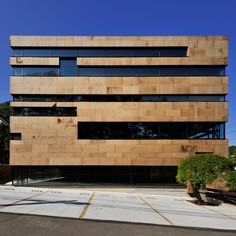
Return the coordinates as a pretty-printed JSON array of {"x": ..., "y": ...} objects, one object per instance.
[{"x": 120, "y": 17}]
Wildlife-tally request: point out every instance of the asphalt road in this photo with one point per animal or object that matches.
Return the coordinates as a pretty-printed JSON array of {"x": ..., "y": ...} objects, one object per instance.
[{"x": 31, "y": 225}]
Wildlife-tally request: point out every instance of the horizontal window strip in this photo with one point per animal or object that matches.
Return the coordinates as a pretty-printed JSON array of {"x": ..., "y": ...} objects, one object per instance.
[
  {"x": 119, "y": 98},
  {"x": 151, "y": 130},
  {"x": 149, "y": 71},
  {"x": 44, "y": 111},
  {"x": 35, "y": 71},
  {"x": 102, "y": 52},
  {"x": 69, "y": 69}
]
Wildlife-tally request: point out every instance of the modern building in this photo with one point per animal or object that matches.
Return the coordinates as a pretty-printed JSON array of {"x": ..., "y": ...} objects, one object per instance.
[{"x": 115, "y": 109}]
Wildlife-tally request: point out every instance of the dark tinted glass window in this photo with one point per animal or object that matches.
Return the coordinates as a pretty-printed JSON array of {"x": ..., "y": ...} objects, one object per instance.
[
  {"x": 44, "y": 111},
  {"x": 36, "y": 52},
  {"x": 144, "y": 130},
  {"x": 110, "y": 71},
  {"x": 173, "y": 52},
  {"x": 68, "y": 67},
  {"x": 173, "y": 130},
  {"x": 199, "y": 131},
  {"x": 15, "y": 136},
  {"x": 173, "y": 98},
  {"x": 92, "y": 52},
  {"x": 208, "y": 98},
  {"x": 175, "y": 71},
  {"x": 35, "y": 71},
  {"x": 119, "y": 98},
  {"x": 134, "y": 52},
  {"x": 18, "y": 52},
  {"x": 64, "y": 53},
  {"x": 18, "y": 71},
  {"x": 103, "y": 52},
  {"x": 150, "y": 130}
]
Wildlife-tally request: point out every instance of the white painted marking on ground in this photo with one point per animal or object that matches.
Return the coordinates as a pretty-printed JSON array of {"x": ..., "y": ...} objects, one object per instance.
[
  {"x": 184, "y": 213},
  {"x": 52, "y": 203},
  {"x": 115, "y": 206},
  {"x": 122, "y": 207}
]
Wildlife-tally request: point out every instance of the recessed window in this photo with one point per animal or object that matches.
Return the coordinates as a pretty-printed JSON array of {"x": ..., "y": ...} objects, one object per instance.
[
  {"x": 15, "y": 136},
  {"x": 44, "y": 111},
  {"x": 36, "y": 52},
  {"x": 68, "y": 67},
  {"x": 149, "y": 71},
  {"x": 18, "y": 52},
  {"x": 35, "y": 71},
  {"x": 102, "y": 52},
  {"x": 64, "y": 52},
  {"x": 151, "y": 130},
  {"x": 119, "y": 98}
]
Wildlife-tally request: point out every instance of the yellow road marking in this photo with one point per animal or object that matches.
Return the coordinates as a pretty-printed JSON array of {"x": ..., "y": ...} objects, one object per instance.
[
  {"x": 84, "y": 212},
  {"x": 229, "y": 217},
  {"x": 158, "y": 212}
]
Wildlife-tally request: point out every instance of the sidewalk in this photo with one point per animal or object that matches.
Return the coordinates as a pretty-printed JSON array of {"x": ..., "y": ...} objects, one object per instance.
[{"x": 158, "y": 209}]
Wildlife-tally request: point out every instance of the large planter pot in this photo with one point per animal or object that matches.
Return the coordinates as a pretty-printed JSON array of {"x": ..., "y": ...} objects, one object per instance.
[
  {"x": 208, "y": 199},
  {"x": 189, "y": 189},
  {"x": 219, "y": 184}
]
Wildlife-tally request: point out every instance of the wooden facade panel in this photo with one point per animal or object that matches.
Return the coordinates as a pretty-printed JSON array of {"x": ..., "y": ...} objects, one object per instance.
[
  {"x": 136, "y": 111},
  {"x": 53, "y": 140},
  {"x": 194, "y": 59},
  {"x": 31, "y": 61},
  {"x": 215, "y": 48},
  {"x": 116, "y": 85},
  {"x": 37, "y": 148}
]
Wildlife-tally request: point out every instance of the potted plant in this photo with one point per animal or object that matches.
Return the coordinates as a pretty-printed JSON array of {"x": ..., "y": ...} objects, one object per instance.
[{"x": 200, "y": 170}]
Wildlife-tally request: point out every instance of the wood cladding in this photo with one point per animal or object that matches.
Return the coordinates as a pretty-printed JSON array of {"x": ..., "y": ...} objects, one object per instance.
[
  {"x": 204, "y": 47},
  {"x": 38, "y": 61},
  {"x": 138, "y": 111},
  {"x": 119, "y": 85},
  {"x": 54, "y": 141}
]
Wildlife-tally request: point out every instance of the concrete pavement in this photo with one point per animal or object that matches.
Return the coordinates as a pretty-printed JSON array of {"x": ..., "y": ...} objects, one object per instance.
[{"x": 114, "y": 206}]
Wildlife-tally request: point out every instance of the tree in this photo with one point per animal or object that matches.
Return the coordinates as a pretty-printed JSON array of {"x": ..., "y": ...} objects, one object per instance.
[
  {"x": 5, "y": 112},
  {"x": 232, "y": 154},
  {"x": 203, "y": 169}
]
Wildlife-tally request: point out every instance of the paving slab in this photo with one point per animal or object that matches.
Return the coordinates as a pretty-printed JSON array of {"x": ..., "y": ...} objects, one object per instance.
[
  {"x": 122, "y": 207},
  {"x": 11, "y": 195},
  {"x": 184, "y": 213},
  {"x": 51, "y": 203},
  {"x": 113, "y": 206}
]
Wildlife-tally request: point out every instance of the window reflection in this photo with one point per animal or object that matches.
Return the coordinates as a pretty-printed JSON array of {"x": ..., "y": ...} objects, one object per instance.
[
  {"x": 68, "y": 67},
  {"x": 36, "y": 52},
  {"x": 35, "y": 71},
  {"x": 119, "y": 98},
  {"x": 103, "y": 52},
  {"x": 150, "y": 130},
  {"x": 129, "y": 71},
  {"x": 44, "y": 111}
]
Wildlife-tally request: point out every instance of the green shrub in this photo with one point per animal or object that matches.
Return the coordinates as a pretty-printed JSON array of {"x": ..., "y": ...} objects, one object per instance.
[
  {"x": 231, "y": 179},
  {"x": 202, "y": 169}
]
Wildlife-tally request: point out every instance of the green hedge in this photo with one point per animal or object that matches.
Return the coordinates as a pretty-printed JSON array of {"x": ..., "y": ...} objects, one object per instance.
[{"x": 203, "y": 169}]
